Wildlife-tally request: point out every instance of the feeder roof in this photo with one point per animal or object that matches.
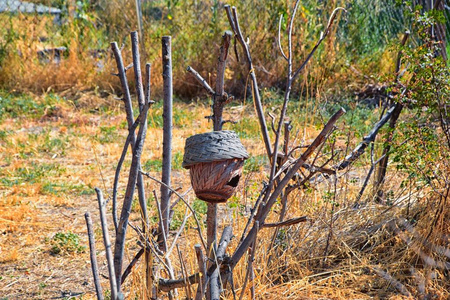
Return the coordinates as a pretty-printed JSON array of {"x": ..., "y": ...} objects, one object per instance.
[{"x": 211, "y": 147}]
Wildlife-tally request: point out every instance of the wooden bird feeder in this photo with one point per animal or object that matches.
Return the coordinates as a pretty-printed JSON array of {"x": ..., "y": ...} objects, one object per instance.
[{"x": 215, "y": 160}]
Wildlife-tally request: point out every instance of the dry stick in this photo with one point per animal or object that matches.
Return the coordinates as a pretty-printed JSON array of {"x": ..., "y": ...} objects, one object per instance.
[
  {"x": 185, "y": 202},
  {"x": 132, "y": 264},
  {"x": 250, "y": 263},
  {"x": 293, "y": 76},
  {"x": 177, "y": 235},
  {"x": 92, "y": 251},
  {"x": 131, "y": 135},
  {"x": 155, "y": 251},
  {"x": 148, "y": 254},
  {"x": 234, "y": 23},
  {"x": 369, "y": 174},
  {"x": 167, "y": 134},
  {"x": 289, "y": 222},
  {"x": 166, "y": 285},
  {"x": 219, "y": 256},
  {"x": 264, "y": 209},
  {"x": 187, "y": 286},
  {"x": 359, "y": 150},
  {"x": 163, "y": 231},
  {"x": 126, "y": 209},
  {"x": 130, "y": 119},
  {"x": 202, "y": 268},
  {"x": 201, "y": 80},
  {"x": 141, "y": 102},
  {"x": 219, "y": 100},
  {"x": 381, "y": 172},
  {"x": 115, "y": 291}
]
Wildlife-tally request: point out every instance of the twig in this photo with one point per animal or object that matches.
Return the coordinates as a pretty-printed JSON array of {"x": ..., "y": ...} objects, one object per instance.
[
  {"x": 201, "y": 80},
  {"x": 279, "y": 38},
  {"x": 397, "y": 284},
  {"x": 175, "y": 239},
  {"x": 132, "y": 264},
  {"x": 219, "y": 255},
  {"x": 129, "y": 114},
  {"x": 250, "y": 264},
  {"x": 93, "y": 256},
  {"x": 289, "y": 222},
  {"x": 185, "y": 202},
  {"x": 359, "y": 150},
  {"x": 184, "y": 272},
  {"x": 202, "y": 269},
  {"x": 163, "y": 232},
  {"x": 154, "y": 250},
  {"x": 148, "y": 257},
  {"x": 322, "y": 37},
  {"x": 234, "y": 23},
  {"x": 167, "y": 285},
  {"x": 107, "y": 243}
]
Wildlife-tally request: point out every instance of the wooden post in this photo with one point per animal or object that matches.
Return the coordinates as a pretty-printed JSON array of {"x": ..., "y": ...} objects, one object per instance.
[{"x": 167, "y": 134}]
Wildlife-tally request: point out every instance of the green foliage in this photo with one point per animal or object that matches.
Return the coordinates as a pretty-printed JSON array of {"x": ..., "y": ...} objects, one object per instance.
[
  {"x": 425, "y": 155},
  {"x": 66, "y": 243}
]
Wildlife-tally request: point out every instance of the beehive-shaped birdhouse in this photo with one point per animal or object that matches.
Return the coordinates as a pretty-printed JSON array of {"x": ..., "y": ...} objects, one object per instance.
[{"x": 215, "y": 160}]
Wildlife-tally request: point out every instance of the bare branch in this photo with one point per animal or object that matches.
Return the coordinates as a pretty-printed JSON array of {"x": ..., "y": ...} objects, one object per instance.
[
  {"x": 126, "y": 209},
  {"x": 201, "y": 80},
  {"x": 279, "y": 38},
  {"x": 265, "y": 208},
  {"x": 163, "y": 232},
  {"x": 185, "y": 202},
  {"x": 167, "y": 285},
  {"x": 132, "y": 264},
  {"x": 286, "y": 223},
  {"x": 322, "y": 37},
  {"x": 174, "y": 242},
  {"x": 202, "y": 267},
  {"x": 141, "y": 102},
  {"x": 107, "y": 243},
  {"x": 359, "y": 150},
  {"x": 93, "y": 256},
  {"x": 234, "y": 23}
]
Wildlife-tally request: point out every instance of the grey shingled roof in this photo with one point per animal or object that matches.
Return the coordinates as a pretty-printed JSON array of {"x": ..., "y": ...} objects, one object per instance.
[
  {"x": 213, "y": 146},
  {"x": 15, "y": 6}
]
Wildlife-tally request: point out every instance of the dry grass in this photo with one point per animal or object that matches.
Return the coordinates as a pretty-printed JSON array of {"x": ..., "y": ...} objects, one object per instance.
[{"x": 50, "y": 164}]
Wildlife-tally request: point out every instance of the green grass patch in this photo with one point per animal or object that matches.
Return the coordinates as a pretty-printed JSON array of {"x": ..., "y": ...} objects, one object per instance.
[
  {"x": 66, "y": 243},
  {"x": 26, "y": 106}
]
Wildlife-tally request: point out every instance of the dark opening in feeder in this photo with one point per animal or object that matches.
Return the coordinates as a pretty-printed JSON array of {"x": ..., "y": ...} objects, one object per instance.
[{"x": 215, "y": 160}]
